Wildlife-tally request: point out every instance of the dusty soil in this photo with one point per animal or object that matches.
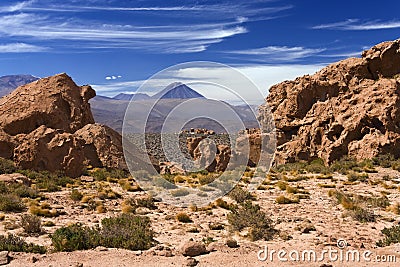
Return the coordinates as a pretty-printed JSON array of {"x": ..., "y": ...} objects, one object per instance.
[{"x": 319, "y": 210}]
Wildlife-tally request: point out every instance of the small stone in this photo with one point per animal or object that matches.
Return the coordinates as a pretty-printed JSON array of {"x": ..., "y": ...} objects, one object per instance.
[
  {"x": 101, "y": 248},
  {"x": 33, "y": 259},
  {"x": 193, "y": 249},
  {"x": 191, "y": 262},
  {"x": 4, "y": 258}
]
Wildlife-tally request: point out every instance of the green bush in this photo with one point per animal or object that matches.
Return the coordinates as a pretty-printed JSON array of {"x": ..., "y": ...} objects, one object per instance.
[
  {"x": 125, "y": 231},
  {"x": 11, "y": 203},
  {"x": 146, "y": 202},
  {"x": 31, "y": 224},
  {"x": 75, "y": 237},
  {"x": 250, "y": 215},
  {"x": 354, "y": 176},
  {"x": 240, "y": 195},
  {"x": 17, "y": 189},
  {"x": 7, "y": 166},
  {"x": 76, "y": 195},
  {"x": 48, "y": 181},
  {"x": 17, "y": 244},
  {"x": 392, "y": 236}
]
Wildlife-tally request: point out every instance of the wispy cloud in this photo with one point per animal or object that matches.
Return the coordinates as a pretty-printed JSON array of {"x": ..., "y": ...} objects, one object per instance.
[
  {"x": 209, "y": 23},
  {"x": 16, "y": 7},
  {"x": 357, "y": 25},
  {"x": 279, "y": 53},
  {"x": 21, "y": 48},
  {"x": 169, "y": 39}
]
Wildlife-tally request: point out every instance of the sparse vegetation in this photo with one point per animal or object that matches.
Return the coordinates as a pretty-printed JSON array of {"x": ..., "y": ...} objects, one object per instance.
[
  {"x": 7, "y": 166},
  {"x": 392, "y": 236},
  {"x": 31, "y": 224},
  {"x": 11, "y": 203},
  {"x": 250, "y": 215},
  {"x": 125, "y": 231},
  {"x": 240, "y": 195},
  {"x": 76, "y": 195},
  {"x": 287, "y": 200},
  {"x": 16, "y": 244},
  {"x": 183, "y": 217}
]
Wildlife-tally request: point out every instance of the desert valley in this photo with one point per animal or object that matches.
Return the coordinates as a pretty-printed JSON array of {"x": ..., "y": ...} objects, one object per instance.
[{"x": 67, "y": 197}]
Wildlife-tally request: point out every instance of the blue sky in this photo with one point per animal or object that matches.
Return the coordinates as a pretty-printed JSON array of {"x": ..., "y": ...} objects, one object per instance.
[{"x": 115, "y": 45}]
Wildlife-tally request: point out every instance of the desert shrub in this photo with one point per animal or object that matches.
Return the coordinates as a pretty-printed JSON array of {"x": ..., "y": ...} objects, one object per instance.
[
  {"x": 344, "y": 165},
  {"x": 395, "y": 208},
  {"x": 250, "y": 215},
  {"x": 48, "y": 224},
  {"x": 385, "y": 160},
  {"x": 298, "y": 166},
  {"x": 231, "y": 243},
  {"x": 223, "y": 204},
  {"x": 286, "y": 200},
  {"x": 42, "y": 209},
  {"x": 183, "y": 217},
  {"x": 7, "y": 166},
  {"x": 354, "y": 176},
  {"x": 362, "y": 215},
  {"x": 129, "y": 206},
  {"x": 317, "y": 166},
  {"x": 31, "y": 224},
  {"x": 392, "y": 236},
  {"x": 281, "y": 185},
  {"x": 354, "y": 207},
  {"x": 240, "y": 195},
  {"x": 75, "y": 237},
  {"x": 76, "y": 195},
  {"x": 19, "y": 190},
  {"x": 146, "y": 202},
  {"x": 127, "y": 231},
  {"x": 48, "y": 181},
  {"x": 16, "y": 244},
  {"x": 11, "y": 203}
]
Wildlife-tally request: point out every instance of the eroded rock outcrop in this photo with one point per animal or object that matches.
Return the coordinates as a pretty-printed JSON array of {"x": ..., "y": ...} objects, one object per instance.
[
  {"x": 48, "y": 125},
  {"x": 56, "y": 102},
  {"x": 348, "y": 108}
]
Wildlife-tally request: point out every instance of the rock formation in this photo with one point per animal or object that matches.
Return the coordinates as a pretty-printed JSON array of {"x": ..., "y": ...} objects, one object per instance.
[
  {"x": 351, "y": 107},
  {"x": 48, "y": 125}
]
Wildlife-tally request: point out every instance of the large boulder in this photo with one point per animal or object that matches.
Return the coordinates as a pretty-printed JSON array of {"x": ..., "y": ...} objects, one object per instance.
[
  {"x": 56, "y": 102},
  {"x": 348, "y": 108},
  {"x": 48, "y": 125},
  {"x": 7, "y": 145},
  {"x": 52, "y": 150},
  {"x": 102, "y": 146}
]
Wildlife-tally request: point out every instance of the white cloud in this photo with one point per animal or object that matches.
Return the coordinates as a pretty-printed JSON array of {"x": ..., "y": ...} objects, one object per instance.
[
  {"x": 356, "y": 25},
  {"x": 113, "y": 77},
  {"x": 279, "y": 53},
  {"x": 16, "y": 7},
  {"x": 176, "y": 39},
  {"x": 20, "y": 48}
]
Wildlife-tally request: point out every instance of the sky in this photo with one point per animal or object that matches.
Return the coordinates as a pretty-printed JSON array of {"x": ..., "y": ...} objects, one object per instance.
[{"x": 115, "y": 45}]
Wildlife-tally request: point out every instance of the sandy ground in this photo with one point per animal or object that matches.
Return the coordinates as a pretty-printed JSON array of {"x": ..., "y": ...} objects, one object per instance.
[{"x": 319, "y": 210}]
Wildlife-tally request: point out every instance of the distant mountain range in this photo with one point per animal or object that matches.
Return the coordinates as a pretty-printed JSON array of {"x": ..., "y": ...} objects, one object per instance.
[
  {"x": 111, "y": 110},
  {"x": 10, "y": 82}
]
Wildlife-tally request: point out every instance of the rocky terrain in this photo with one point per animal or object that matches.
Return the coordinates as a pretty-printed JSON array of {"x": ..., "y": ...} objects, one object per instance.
[
  {"x": 351, "y": 107},
  {"x": 48, "y": 125},
  {"x": 337, "y": 189}
]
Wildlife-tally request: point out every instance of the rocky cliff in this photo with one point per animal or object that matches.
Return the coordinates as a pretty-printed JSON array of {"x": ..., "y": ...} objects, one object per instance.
[
  {"x": 48, "y": 125},
  {"x": 351, "y": 107}
]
